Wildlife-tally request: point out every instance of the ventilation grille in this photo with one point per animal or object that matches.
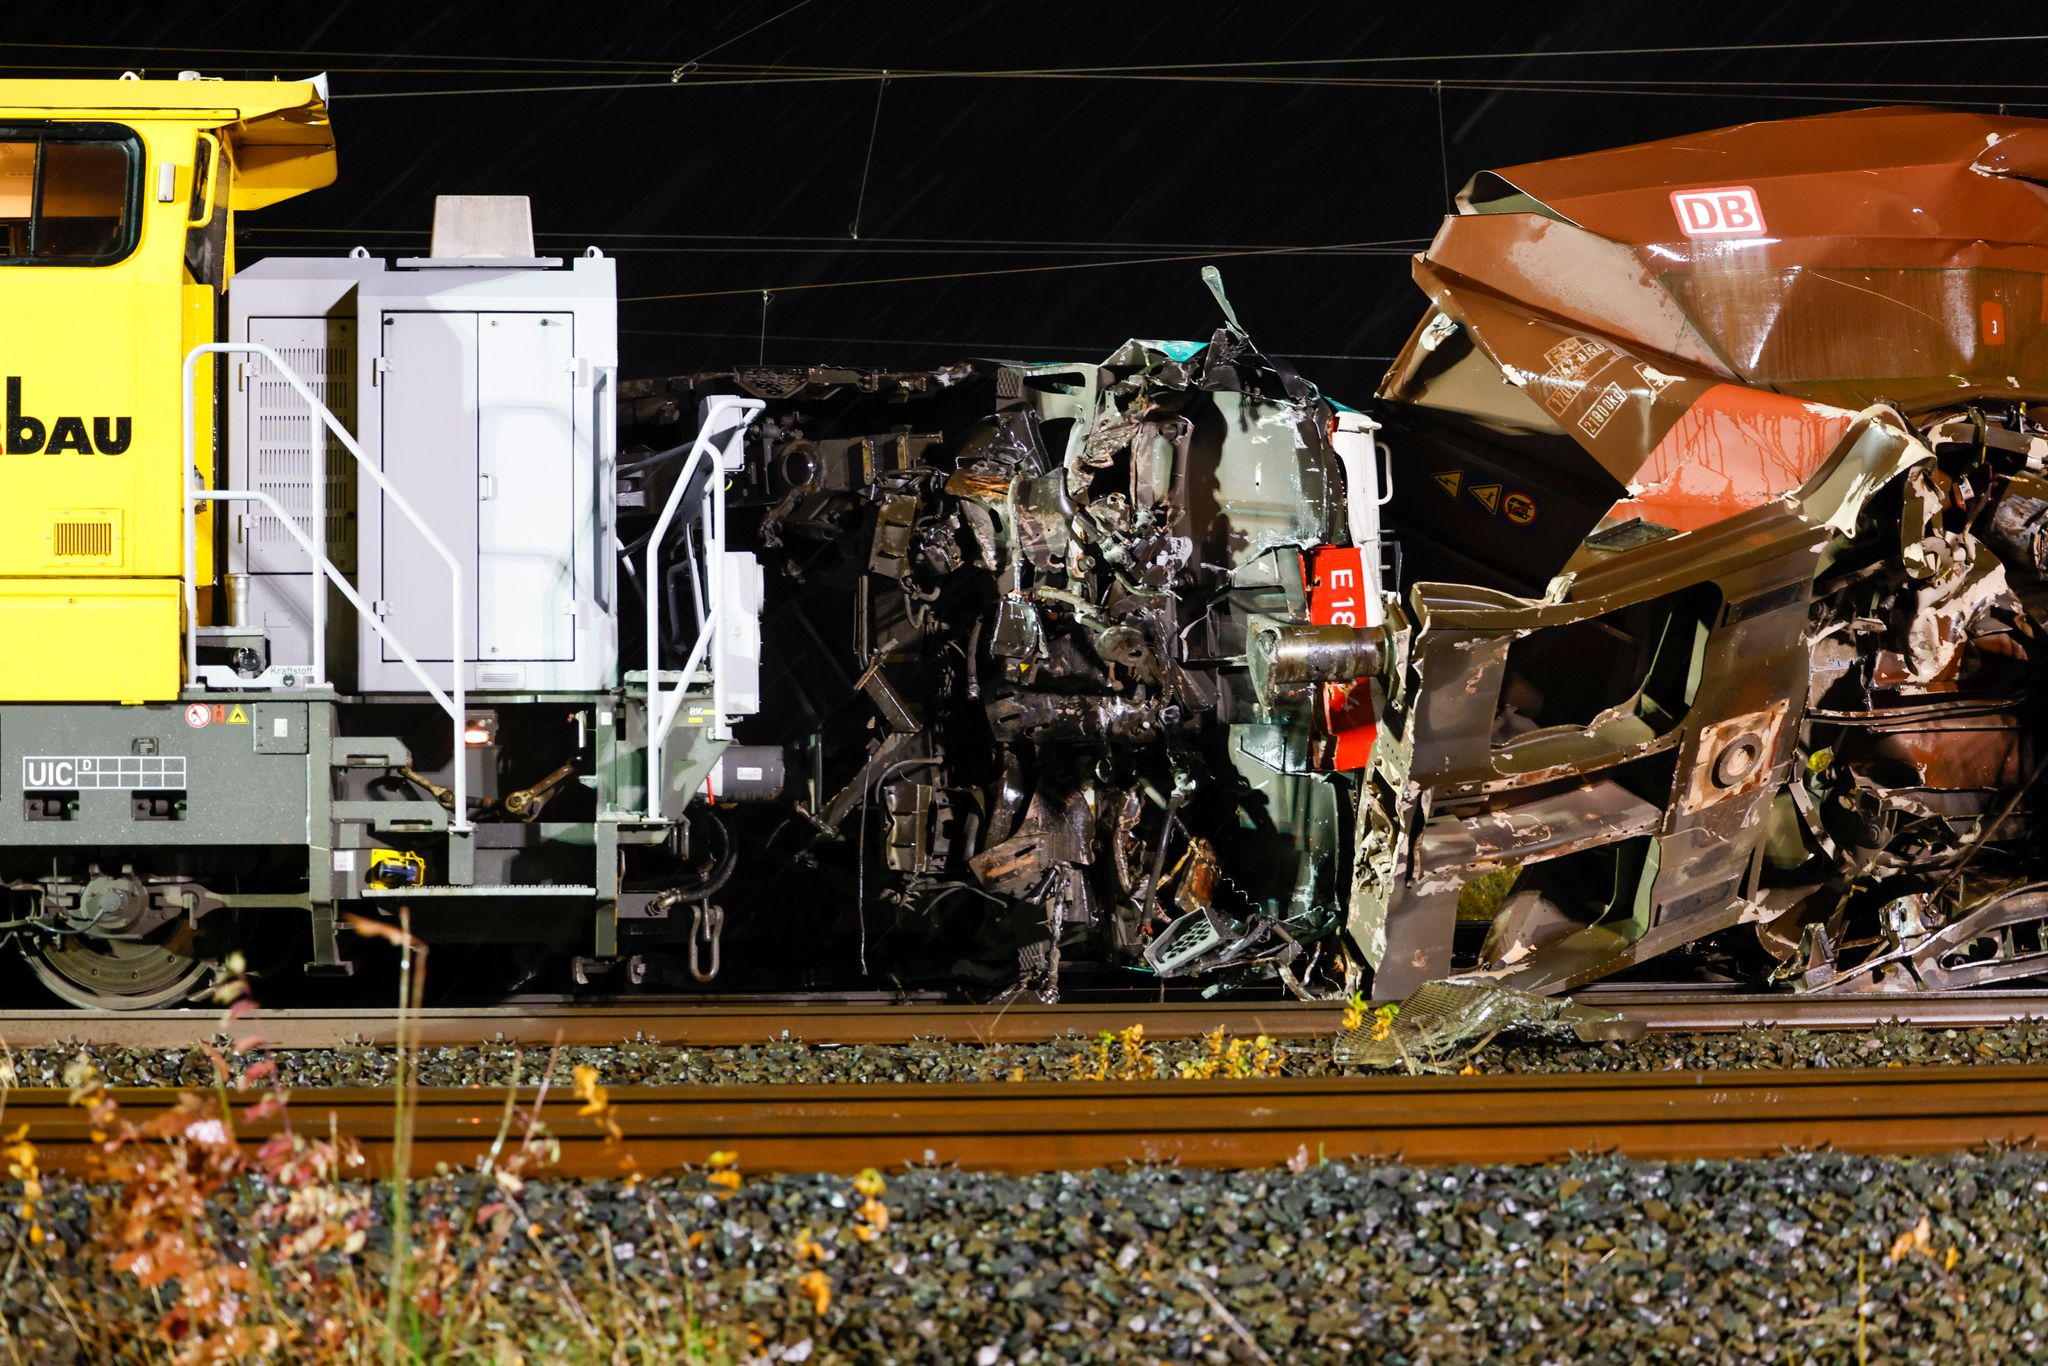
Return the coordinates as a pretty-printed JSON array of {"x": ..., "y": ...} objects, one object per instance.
[
  {"x": 284, "y": 435},
  {"x": 76, "y": 539}
]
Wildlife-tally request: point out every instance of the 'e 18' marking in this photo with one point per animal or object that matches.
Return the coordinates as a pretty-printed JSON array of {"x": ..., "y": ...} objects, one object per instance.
[
  {"x": 1339, "y": 595},
  {"x": 1728, "y": 211}
]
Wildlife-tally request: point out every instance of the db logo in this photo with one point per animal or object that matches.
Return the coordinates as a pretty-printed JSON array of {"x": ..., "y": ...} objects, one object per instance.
[{"x": 1730, "y": 211}]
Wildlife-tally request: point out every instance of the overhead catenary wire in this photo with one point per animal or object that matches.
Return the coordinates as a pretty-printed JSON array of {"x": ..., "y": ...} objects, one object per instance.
[
  {"x": 734, "y": 74},
  {"x": 1373, "y": 59},
  {"x": 943, "y": 344},
  {"x": 1526, "y": 86},
  {"x": 933, "y": 276},
  {"x": 1397, "y": 248},
  {"x": 1299, "y": 71},
  {"x": 1443, "y": 147},
  {"x": 678, "y": 72},
  {"x": 330, "y": 241},
  {"x": 319, "y": 53},
  {"x": 874, "y": 129},
  {"x": 712, "y": 76},
  {"x": 993, "y": 243},
  {"x": 1538, "y": 54}
]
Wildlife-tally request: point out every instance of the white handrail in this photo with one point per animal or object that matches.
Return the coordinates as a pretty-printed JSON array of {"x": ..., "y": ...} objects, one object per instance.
[
  {"x": 336, "y": 577},
  {"x": 455, "y": 707},
  {"x": 726, "y": 419}
]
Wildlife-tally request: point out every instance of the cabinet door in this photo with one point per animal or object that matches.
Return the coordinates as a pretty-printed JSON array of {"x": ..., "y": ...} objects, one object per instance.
[
  {"x": 429, "y": 453},
  {"x": 526, "y": 513}
]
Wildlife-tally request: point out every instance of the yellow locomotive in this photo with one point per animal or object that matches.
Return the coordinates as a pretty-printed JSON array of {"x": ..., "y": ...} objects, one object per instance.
[{"x": 203, "y": 715}]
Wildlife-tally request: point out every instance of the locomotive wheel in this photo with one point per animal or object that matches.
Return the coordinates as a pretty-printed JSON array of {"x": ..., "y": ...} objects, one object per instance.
[{"x": 119, "y": 974}]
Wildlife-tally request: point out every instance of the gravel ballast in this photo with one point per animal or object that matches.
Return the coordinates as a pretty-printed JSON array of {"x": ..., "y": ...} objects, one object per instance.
[
  {"x": 2024, "y": 1041},
  {"x": 1598, "y": 1259}
]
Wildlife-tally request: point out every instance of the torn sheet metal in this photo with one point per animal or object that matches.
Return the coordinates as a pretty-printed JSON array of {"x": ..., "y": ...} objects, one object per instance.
[
  {"x": 1720, "y": 501},
  {"x": 1019, "y": 609},
  {"x": 1708, "y": 359}
]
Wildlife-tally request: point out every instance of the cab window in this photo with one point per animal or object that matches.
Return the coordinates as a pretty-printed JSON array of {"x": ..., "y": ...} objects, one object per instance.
[{"x": 68, "y": 196}]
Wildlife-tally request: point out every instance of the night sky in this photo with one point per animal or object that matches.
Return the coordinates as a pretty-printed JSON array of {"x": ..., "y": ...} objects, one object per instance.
[{"x": 1009, "y": 137}]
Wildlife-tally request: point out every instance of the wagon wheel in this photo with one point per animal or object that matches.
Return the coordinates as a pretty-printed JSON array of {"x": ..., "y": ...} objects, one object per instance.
[
  {"x": 2002, "y": 939},
  {"x": 120, "y": 974}
]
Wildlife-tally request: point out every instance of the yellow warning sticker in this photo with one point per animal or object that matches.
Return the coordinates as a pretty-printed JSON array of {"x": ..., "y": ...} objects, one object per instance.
[
  {"x": 1450, "y": 481},
  {"x": 1487, "y": 494},
  {"x": 238, "y": 717}
]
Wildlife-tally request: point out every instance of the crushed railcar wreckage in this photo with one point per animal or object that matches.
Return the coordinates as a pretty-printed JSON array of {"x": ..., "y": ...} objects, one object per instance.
[
  {"x": 1721, "y": 501},
  {"x": 1046, "y": 646},
  {"x": 1704, "y": 616}
]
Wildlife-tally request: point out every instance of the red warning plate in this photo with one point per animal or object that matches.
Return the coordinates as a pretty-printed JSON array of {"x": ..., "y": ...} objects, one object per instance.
[{"x": 1336, "y": 597}]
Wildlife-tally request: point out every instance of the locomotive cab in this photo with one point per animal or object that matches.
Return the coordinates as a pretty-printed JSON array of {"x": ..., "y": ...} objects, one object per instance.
[{"x": 117, "y": 204}]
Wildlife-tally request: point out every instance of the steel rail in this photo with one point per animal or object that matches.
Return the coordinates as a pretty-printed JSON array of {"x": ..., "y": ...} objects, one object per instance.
[
  {"x": 697, "y": 1025},
  {"x": 729, "y": 1024},
  {"x": 1017, "y": 1127},
  {"x": 1682, "y": 1012}
]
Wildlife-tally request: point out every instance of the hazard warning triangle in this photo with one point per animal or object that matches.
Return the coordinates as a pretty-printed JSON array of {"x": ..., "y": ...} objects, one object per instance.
[
  {"x": 1487, "y": 494},
  {"x": 1450, "y": 481}
]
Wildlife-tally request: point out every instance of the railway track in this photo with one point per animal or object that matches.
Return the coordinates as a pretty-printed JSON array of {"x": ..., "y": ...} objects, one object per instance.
[
  {"x": 1073, "y": 1125},
  {"x": 735, "y": 1024}
]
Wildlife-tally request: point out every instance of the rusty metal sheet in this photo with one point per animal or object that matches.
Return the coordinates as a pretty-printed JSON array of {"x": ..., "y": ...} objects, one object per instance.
[{"x": 1597, "y": 813}]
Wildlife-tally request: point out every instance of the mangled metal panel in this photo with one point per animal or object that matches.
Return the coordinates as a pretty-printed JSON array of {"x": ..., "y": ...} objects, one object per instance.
[
  {"x": 1767, "y": 400},
  {"x": 1077, "y": 651},
  {"x": 1710, "y": 364}
]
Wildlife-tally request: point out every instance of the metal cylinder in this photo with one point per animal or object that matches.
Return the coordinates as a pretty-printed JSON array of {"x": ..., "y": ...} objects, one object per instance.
[
  {"x": 238, "y": 599},
  {"x": 1293, "y": 656}
]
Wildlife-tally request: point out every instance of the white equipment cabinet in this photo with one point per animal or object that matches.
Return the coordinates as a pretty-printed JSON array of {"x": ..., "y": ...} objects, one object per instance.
[{"x": 486, "y": 389}]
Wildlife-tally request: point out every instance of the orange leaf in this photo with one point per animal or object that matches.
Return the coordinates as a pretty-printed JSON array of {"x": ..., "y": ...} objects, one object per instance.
[{"x": 819, "y": 1287}]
